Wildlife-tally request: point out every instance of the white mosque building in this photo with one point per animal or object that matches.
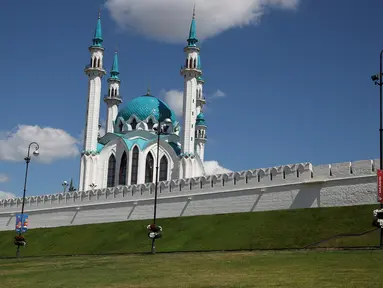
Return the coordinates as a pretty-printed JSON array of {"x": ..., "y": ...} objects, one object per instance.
[{"x": 144, "y": 129}]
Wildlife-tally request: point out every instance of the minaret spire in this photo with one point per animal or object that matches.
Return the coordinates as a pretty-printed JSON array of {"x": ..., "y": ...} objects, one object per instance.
[
  {"x": 115, "y": 72},
  {"x": 113, "y": 99},
  {"x": 97, "y": 39},
  {"x": 192, "y": 40}
]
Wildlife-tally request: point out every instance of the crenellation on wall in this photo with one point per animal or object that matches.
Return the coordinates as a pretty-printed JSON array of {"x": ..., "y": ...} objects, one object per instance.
[
  {"x": 341, "y": 170},
  {"x": 363, "y": 167},
  {"x": 325, "y": 192},
  {"x": 247, "y": 179}
]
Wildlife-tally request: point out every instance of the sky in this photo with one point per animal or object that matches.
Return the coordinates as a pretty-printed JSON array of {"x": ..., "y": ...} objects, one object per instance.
[{"x": 287, "y": 81}]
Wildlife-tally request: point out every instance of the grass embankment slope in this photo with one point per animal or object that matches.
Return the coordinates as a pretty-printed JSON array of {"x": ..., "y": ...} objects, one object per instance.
[
  {"x": 233, "y": 269},
  {"x": 257, "y": 230}
]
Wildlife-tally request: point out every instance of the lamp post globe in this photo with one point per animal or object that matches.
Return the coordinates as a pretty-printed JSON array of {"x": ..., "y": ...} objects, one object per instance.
[{"x": 36, "y": 152}]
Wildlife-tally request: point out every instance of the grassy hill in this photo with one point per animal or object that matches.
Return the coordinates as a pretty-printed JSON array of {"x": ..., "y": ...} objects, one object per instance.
[{"x": 257, "y": 230}]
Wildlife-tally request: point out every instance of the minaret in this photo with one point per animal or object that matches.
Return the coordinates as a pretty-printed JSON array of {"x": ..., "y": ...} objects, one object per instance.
[
  {"x": 190, "y": 73},
  {"x": 95, "y": 72},
  {"x": 113, "y": 99},
  {"x": 200, "y": 136}
]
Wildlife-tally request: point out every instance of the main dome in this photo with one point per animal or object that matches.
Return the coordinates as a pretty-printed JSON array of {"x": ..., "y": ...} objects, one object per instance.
[{"x": 144, "y": 106}]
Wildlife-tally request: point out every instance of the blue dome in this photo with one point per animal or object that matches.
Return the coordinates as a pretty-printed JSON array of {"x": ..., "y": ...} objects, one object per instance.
[
  {"x": 144, "y": 106},
  {"x": 201, "y": 119}
]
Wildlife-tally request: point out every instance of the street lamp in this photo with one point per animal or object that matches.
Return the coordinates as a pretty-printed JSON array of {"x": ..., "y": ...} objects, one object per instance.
[
  {"x": 160, "y": 129},
  {"x": 378, "y": 81},
  {"x": 64, "y": 184},
  {"x": 27, "y": 160}
]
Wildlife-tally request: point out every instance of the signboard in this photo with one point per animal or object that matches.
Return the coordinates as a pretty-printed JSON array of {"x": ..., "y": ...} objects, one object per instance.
[{"x": 21, "y": 223}]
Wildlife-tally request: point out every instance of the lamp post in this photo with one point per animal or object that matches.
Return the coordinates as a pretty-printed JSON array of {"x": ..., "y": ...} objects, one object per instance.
[
  {"x": 161, "y": 128},
  {"x": 379, "y": 81},
  {"x": 27, "y": 160},
  {"x": 64, "y": 184}
]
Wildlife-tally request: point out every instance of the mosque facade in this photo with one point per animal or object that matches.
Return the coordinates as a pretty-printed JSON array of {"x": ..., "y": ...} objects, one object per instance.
[{"x": 143, "y": 140}]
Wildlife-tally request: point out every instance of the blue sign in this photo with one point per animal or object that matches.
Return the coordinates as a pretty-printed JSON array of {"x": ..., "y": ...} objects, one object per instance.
[{"x": 21, "y": 223}]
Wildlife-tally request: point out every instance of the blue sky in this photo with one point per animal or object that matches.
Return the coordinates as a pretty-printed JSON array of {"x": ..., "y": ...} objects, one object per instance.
[{"x": 296, "y": 80}]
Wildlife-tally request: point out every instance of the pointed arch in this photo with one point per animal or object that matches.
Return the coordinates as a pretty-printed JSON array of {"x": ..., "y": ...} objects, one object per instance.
[
  {"x": 134, "y": 173},
  {"x": 134, "y": 124},
  {"x": 150, "y": 124},
  {"x": 99, "y": 63},
  {"x": 149, "y": 165},
  {"x": 187, "y": 63},
  {"x": 121, "y": 126},
  {"x": 111, "y": 171},
  {"x": 164, "y": 169},
  {"x": 123, "y": 165},
  {"x": 195, "y": 63}
]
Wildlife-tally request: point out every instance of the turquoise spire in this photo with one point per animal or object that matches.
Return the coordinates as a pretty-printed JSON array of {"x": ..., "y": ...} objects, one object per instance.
[
  {"x": 192, "y": 40},
  {"x": 115, "y": 72},
  {"x": 97, "y": 39}
]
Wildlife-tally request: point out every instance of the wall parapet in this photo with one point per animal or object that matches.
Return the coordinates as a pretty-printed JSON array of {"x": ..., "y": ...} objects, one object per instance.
[{"x": 249, "y": 179}]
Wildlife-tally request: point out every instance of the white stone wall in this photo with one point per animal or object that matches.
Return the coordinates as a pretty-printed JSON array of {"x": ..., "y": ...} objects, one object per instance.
[{"x": 284, "y": 187}]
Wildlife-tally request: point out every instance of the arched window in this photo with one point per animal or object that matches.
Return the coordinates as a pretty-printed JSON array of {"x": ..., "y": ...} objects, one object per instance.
[
  {"x": 121, "y": 126},
  {"x": 134, "y": 175},
  {"x": 149, "y": 168},
  {"x": 111, "y": 171},
  {"x": 195, "y": 63},
  {"x": 187, "y": 63},
  {"x": 99, "y": 63},
  {"x": 134, "y": 124},
  {"x": 150, "y": 124},
  {"x": 122, "y": 175},
  {"x": 163, "y": 169},
  {"x": 94, "y": 62},
  {"x": 91, "y": 62}
]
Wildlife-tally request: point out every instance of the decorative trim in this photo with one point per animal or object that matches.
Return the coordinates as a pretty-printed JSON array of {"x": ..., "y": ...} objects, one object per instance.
[{"x": 90, "y": 152}]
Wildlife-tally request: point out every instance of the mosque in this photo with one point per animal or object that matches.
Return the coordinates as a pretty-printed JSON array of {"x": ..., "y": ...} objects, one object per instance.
[{"x": 144, "y": 136}]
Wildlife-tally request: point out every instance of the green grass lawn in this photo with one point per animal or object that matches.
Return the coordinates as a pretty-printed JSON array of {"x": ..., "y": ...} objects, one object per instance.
[
  {"x": 333, "y": 269},
  {"x": 257, "y": 230}
]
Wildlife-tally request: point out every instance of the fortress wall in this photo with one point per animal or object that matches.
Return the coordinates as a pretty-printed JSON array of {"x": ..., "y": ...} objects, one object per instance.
[{"x": 283, "y": 187}]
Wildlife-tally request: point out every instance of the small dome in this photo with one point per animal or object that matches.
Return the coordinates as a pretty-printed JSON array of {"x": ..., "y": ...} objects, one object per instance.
[
  {"x": 201, "y": 119},
  {"x": 144, "y": 106}
]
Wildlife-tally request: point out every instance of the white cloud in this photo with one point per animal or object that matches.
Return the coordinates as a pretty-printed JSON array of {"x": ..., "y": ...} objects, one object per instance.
[
  {"x": 6, "y": 195},
  {"x": 169, "y": 20},
  {"x": 3, "y": 178},
  {"x": 54, "y": 143},
  {"x": 213, "y": 167},
  {"x": 218, "y": 94},
  {"x": 174, "y": 98}
]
